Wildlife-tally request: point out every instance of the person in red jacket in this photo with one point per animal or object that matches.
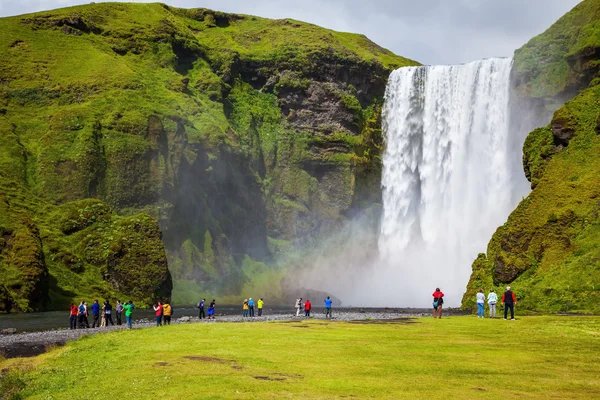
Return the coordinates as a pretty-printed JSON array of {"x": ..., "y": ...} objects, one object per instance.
[
  {"x": 73, "y": 317},
  {"x": 307, "y": 307},
  {"x": 158, "y": 311},
  {"x": 438, "y": 301},
  {"x": 508, "y": 301}
]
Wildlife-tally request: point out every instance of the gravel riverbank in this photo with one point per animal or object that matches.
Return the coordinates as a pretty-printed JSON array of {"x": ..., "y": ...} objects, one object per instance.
[{"x": 33, "y": 343}]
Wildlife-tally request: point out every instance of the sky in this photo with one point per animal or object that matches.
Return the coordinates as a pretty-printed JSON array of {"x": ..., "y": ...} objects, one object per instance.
[{"x": 428, "y": 31}]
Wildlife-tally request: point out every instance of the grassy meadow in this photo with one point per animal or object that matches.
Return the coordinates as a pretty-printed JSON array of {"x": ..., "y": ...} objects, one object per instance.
[{"x": 456, "y": 357}]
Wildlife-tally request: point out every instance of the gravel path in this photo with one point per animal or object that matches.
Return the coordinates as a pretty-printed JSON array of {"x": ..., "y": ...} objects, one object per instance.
[{"x": 33, "y": 343}]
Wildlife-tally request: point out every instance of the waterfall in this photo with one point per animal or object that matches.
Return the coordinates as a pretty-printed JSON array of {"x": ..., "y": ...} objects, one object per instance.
[{"x": 446, "y": 179}]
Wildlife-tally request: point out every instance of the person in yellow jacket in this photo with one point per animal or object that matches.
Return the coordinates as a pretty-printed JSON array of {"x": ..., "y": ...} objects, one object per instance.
[
  {"x": 260, "y": 303},
  {"x": 245, "y": 309},
  {"x": 167, "y": 311}
]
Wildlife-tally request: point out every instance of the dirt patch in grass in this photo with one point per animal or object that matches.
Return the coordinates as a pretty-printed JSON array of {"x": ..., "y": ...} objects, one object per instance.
[
  {"x": 233, "y": 363},
  {"x": 384, "y": 321},
  {"x": 207, "y": 359},
  {"x": 300, "y": 326},
  {"x": 161, "y": 364},
  {"x": 268, "y": 378},
  {"x": 478, "y": 389}
]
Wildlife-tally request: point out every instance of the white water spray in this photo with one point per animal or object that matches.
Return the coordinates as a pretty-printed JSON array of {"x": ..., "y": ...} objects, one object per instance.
[{"x": 446, "y": 180}]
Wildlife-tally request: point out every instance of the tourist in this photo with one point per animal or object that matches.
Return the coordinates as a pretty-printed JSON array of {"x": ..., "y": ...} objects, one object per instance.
[
  {"x": 119, "y": 310},
  {"x": 509, "y": 301},
  {"x": 211, "y": 309},
  {"x": 251, "y": 307},
  {"x": 438, "y": 301},
  {"x": 298, "y": 306},
  {"x": 492, "y": 300},
  {"x": 128, "y": 313},
  {"x": 328, "y": 303},
  {"x": 200, "y": 305},
  {"x": 108, "y": 313},
  {"x": 307, "y": 307},
  {"x": 102, "y": 319},
  {"x": 245, "y": 308},
  {"x": 158, "y": 310},
  {"x": 167, "y": 312},
  {"x": 260, "y": 305},
  {"x": 82, "y": 315},
  {"x": 73, "y": 317},
  {"x": 96, "y": 314},
  {"x": 480, "y": 304}
]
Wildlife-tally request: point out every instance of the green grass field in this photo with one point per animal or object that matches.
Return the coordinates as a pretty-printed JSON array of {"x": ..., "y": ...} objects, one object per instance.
[{"x": 456, "y": 358}]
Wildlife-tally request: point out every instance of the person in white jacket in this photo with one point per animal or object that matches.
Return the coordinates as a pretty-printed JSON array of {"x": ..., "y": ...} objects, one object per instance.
[
  {"x": 298, "y": 306},
  {"x": 480, "y": 304},
  {"x": 492, "y": 300}
]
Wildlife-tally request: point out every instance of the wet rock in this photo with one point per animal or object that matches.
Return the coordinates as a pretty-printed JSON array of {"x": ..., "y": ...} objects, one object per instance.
[{"x": 8, "y": 331}]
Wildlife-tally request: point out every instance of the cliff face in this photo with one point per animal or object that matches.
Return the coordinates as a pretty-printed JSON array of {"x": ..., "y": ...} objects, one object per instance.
[
  {"x": 242, "y": 138},
  {"x": 548, "y": 249}
]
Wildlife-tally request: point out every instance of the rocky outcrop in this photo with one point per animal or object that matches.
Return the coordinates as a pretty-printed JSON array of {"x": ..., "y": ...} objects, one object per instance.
[
  {"x": 546, "y": 250},
  {"x": 245, "y": 138}
]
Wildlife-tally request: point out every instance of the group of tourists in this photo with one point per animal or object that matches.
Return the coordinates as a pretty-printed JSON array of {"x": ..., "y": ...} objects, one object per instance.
[
  {"x": 163, "y": 312},
  {"x": 101, "y": 314},
  {"x": 248, "y": 307},
  {"x": 211, "y": 309},
  {"x": 509, "y": 300},
  {"x": 307, "y": 307}
]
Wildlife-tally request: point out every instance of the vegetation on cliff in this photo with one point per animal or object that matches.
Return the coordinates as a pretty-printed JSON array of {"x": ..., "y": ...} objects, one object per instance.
[
  {"x": 548, "y": 249},
  {"x": 243, "y": 137}
]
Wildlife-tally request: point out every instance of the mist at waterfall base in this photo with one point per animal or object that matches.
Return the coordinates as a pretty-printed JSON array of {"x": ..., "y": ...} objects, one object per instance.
[{"x": 451, "y": 175}]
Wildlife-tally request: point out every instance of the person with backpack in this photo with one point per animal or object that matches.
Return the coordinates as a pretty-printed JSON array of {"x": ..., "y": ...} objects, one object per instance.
[
  {"x": 82, "y": 315},
  {"x": 200, "y": 305},
  {"x": 211, "y": 310},
  {"x": 73, "y": 316},
  {"x": 129, "y": 313},
  {"x": 158, "y": 311},
  {"x": 119, "y": 310},
  {"x": 480, "y": 297},
  {"x": 167, "y": 312},
  {"x": 438, "y": 301},
  {"x": 96, "y": 314},
  {"x": 251, "y": 307},
  {"x": 107, "y": 307},
  {"x": 307, "y": 307},
  {"x": 509, "y": 301},
  {"x": 492, "y": 300},
  {"x": 260, "y": 305},
  {"x": 328, "y": 303}
]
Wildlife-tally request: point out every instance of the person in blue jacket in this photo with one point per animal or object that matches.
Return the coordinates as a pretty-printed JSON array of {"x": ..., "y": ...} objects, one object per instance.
[
  {"x": 96, "y": 314},
  {"x": 328, "y": 302},
  {"x": 251, "y": 307}
]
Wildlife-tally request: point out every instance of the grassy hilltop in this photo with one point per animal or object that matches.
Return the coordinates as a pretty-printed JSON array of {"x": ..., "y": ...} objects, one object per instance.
[
  {"x": 549, "y": 249},
  {"x": 242, "y": 138}
]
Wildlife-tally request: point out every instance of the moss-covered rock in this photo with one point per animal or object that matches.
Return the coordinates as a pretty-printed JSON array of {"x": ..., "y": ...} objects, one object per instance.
[{"x": 228, "y": 129}]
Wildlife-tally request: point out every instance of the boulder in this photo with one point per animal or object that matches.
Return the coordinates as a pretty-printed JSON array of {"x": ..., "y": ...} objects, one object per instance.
[{"x": 8, "y": 331}]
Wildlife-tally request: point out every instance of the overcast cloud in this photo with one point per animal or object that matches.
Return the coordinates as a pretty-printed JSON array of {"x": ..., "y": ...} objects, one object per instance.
[{"x": 429, "y": 31}]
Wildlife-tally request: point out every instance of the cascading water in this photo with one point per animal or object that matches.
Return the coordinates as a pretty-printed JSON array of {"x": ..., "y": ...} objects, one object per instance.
[{"x": 446, "y": 181}]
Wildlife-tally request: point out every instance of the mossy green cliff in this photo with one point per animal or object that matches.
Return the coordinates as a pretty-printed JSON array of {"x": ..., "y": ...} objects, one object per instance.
[
  {"x": 242, "y": 138},
  {"x": 548, "y": 250}
]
